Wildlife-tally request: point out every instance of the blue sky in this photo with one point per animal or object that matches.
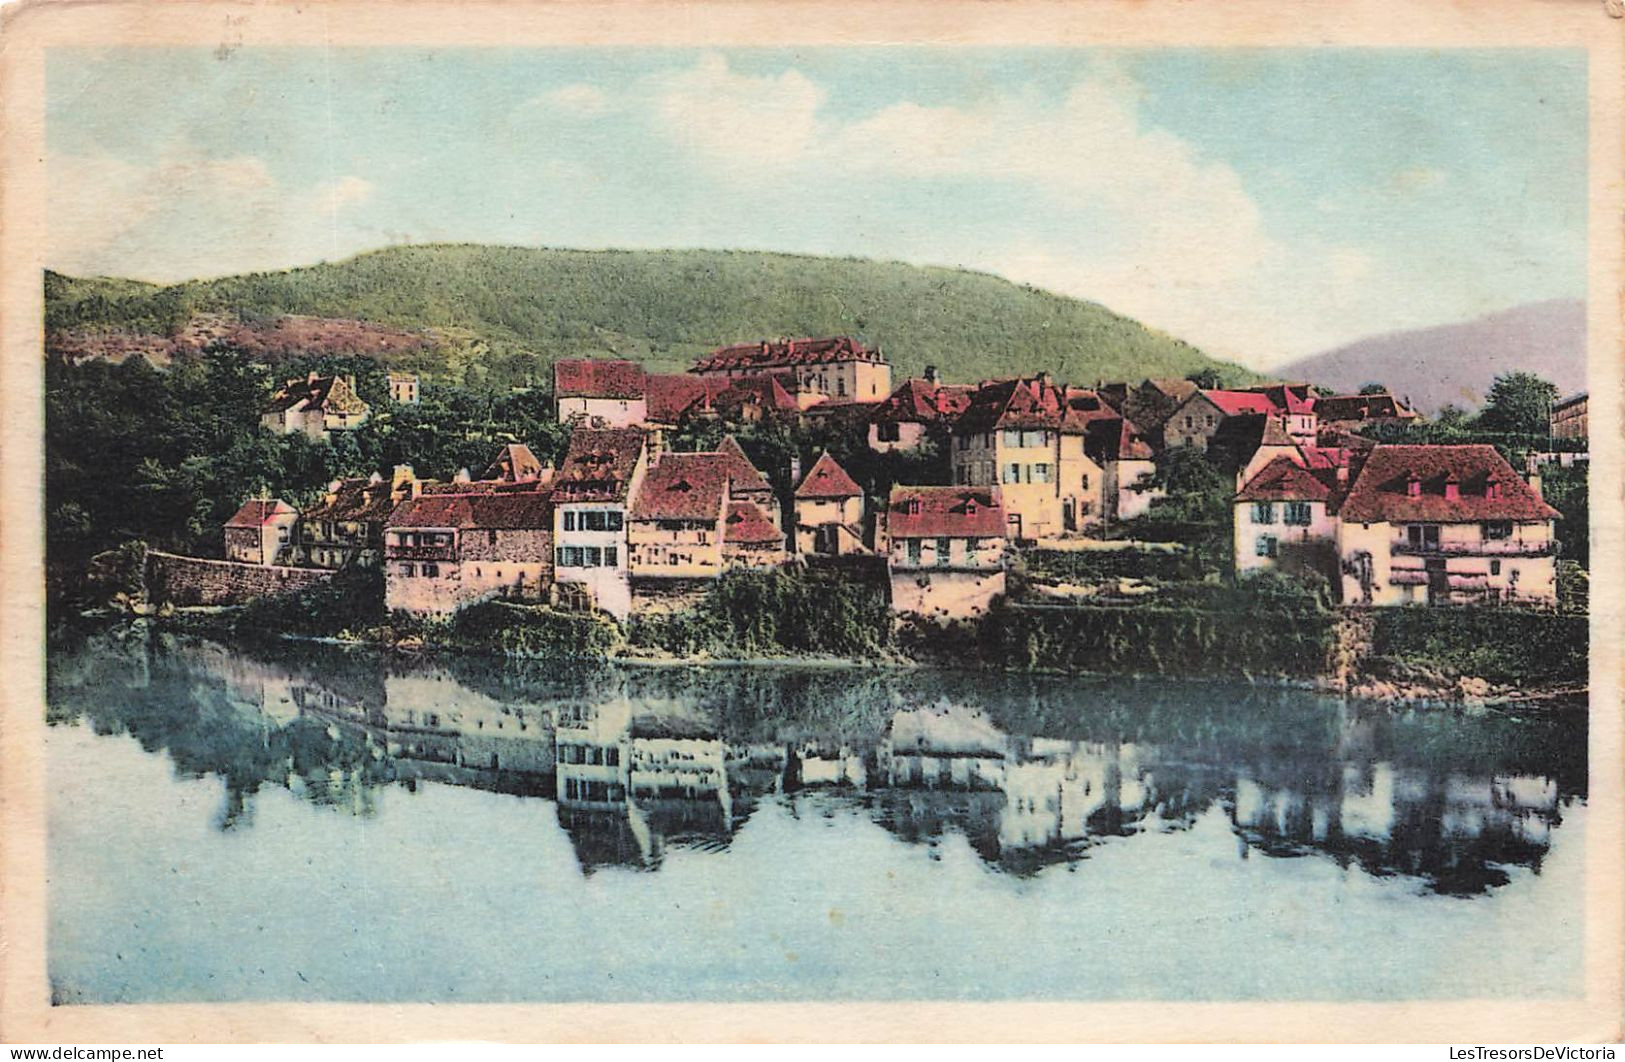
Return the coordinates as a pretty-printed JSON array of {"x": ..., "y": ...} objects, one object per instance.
[{"x": 1263, "y": 204}]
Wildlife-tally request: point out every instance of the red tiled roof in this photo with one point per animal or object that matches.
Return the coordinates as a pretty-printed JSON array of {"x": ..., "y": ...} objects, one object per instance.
[
  {"x": 1284, "y": 480},
  {"x": 953, "y": 512},
  {"x": 1380, "y": 492},
  {"x": 683, "y": 487},
  {"x": 747, "y": 524},
  {"x": 827, "y": 479},
  {"x": 355, "y": 499},
  {"x": 257, "y": 512},
  {"x": 766, "y": 390},
  {"x": 917, "y": 401},
  {"x": 598, "y": 464},
  {"x": 784, "y": 353},
  {"x": 1241, "y": 403},
  {"x": 1362, "y": 407},
  {"x": 597, "y": 378},
  {"x": 670, "y": 395},
  {"x": 744, "y": 477},
  {"x": 1178, "y": 390},
  {"x": 515, "y": 463},
  {"x": 477, "y": 510},
  {"x": 1114, "y": 438},
  {"x": 1015, "y": 403}
]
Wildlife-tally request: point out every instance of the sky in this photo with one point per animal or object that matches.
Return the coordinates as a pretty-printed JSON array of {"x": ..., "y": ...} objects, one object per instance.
[{"x": 1262, "y": 204}]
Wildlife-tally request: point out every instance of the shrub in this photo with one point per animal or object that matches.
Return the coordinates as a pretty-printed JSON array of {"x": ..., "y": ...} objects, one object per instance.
[
  {"x": 1504, "y": 645},
  {"x": 534, "y": 631}
]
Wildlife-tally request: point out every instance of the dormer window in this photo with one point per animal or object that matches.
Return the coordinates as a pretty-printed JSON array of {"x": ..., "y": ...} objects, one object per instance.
[
  {"x": 1413, "y": 486},
  {"x": 912, "y": 506}
]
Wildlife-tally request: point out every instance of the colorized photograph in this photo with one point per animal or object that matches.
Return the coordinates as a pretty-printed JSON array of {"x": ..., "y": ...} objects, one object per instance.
[{"x": 720, "y": 524}]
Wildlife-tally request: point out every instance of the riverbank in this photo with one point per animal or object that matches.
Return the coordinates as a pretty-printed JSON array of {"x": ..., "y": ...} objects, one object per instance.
[{"x": 528, "y": 632}]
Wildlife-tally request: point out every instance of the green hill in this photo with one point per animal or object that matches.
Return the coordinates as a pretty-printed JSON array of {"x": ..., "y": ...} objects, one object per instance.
[{"x": 503, "y": 314}]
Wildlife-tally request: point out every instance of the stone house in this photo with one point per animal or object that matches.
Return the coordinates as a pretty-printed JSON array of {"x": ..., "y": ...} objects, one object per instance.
[
  {"x": 1027, "y": 437},
  {"x": 454, "y": 544},
  {"x": 945, "y": 550},
  {"x": 1445, "y": 525},
  {"x": 1117, "y": 447},
  {"x": 830, "y": 369},
  {"x": 262, "y": 532},
  {"x": 1568, "y": 417},
  {"x": 600, "y": 392},
  {"x": 829, "y": 511},
  {"x": 1207, "y": 412},
  {"x": 1353, "y": 412},
  {"x": 316, "y": 406},
  {"x": 746, "y": 483},
  {"x": 911, "y": 413},
  {"x": 750, "y": 539},
  {"x": 346, "y": 528},
  {"x": 403, "y": 388},
  {"x": 675, "y": 525},
  {"x": 600, "y": 475}
]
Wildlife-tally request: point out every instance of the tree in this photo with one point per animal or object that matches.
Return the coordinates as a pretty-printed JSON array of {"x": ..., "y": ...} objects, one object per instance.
[
  {"x": 1207, "y": 379},
  {"x": 1373, "y": 389},
  {"x": 1195, "y": 508},
  {"x": 1519, "y": 403}
]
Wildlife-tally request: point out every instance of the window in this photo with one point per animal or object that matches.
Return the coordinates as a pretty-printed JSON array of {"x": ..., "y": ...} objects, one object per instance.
[
  {"x": 491, "y": 537},
  {"x": 1422, "y": 536},
  {"x": 1189, "y": 423},
  {"x": 890, "y": 433},
  {"x": 943, "y": 547},
  {"x": 1041, "y": 473},
  {"x": 1035, "y": 438},
  {"x": 1266, "y": 546},
  {"x": 612, "y": 521},
  {"x": 570, "y": 557},
  {"x": 611, "y": 557},
  {"x": 962, "y": 442},
  {"x": 1297, "y": 513},
  {"x": 569, "y": 520},
  {"x": 1012, "y": 474},
  {"x": 612, "y": 756},
  {"x": 409, "y": 569},
  {"x": 431, "y": 570},
  {"x": 1012, "y": 437},
  {"x": 1495, "y": 567},
  {"x": 1498, "y": 529},
  {"x": 593, "y": 521},
  {"x": 914, "y": 551},
  {"x": 840, "y": 386},
  {"x": 1263, "y": 513},
  {"x": 1210, "y": 420},
  {"x": 592, "y": 557}
]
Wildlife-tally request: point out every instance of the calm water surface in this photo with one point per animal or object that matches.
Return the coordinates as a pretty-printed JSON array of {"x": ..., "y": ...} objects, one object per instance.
[{"x": 312, "y": 824}]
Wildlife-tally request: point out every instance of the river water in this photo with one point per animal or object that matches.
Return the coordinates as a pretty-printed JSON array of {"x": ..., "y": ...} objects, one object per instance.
[{"x": 315, "y": 824}]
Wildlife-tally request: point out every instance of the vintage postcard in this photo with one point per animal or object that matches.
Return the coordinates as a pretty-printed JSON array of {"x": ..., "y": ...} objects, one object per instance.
[{"x": 782, "y": 521}]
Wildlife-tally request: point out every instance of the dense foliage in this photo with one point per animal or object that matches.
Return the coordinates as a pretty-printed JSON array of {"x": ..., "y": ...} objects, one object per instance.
[
  {"x": 1087, "y": 566},
  {"x": 135, "y": 453},
  {"x": 1503, "y": 645},
  {"x": 534, "y": 631},
  {"x": 526, "y": 307},
  {"x": 769, "y": 613},
  {"x": 1195, "y": 510}
]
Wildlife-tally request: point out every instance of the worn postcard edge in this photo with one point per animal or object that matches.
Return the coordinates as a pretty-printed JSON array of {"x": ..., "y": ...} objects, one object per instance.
[{"x": 29, "y": 28}]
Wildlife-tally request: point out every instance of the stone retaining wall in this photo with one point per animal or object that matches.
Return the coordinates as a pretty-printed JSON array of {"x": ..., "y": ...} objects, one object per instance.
[{"x": 177, "y": 580}]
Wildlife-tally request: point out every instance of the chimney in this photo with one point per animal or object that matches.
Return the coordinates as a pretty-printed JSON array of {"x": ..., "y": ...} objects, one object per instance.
[
  {"x": 931, "y": 374},
  {"x": 1452, "y": 488},
  {"x": 1492, "y": 488},
  {"x": 1413, "y": 486},
  {"x": 1534, "y": 484},
  {"x": 1045, "y": 380},
  {"x": 795, "y": 470}
]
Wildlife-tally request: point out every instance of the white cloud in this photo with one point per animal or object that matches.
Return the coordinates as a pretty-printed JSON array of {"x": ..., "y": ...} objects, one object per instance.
[
  {"x": 738, "y": 123},
  {"x": 189, "y": 215}
]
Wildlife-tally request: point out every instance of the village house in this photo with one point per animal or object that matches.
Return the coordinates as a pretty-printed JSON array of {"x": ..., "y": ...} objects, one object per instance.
[
  {"x": 346, "y": 528},
  {"x": 1126, "y": 461},
  {"x": 1354, "y": 412},
  {"x": 945, "y": 551},
  {"x": 1568, "y": 417},
  {"x": 750, "y": 539},
  {"x": 1027, "y": 437},
  {"x": 829, "y": 511},
  {"x": 1206, "y": 413},
  {"x": 1285, "y": 518},
  {"x": 262, "y": 532},
  {"x": 1445, "y": 525},
  {"x": 676, "y": 522},
  {"x": 832, "y": 369},
  {"x": 515, "y": 463},
  {"x": 454, "y": 544},
  {"x": 911, "y": 413},
  {"x": 403, "y": 388},
  {"x": 746, "y": 483},
  {"x": 600, "y": 392},
  {"x": 316, "y": 406},
  {"x": 600, "y": 475}
]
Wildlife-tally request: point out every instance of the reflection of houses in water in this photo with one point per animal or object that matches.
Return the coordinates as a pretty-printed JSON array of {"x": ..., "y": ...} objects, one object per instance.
[
  {"x": 629, "y": 783},
  {"x": 1021, "y": 802},
  {"x": 1458, "y": 833},
  {"x": 827, "y": 762}
]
